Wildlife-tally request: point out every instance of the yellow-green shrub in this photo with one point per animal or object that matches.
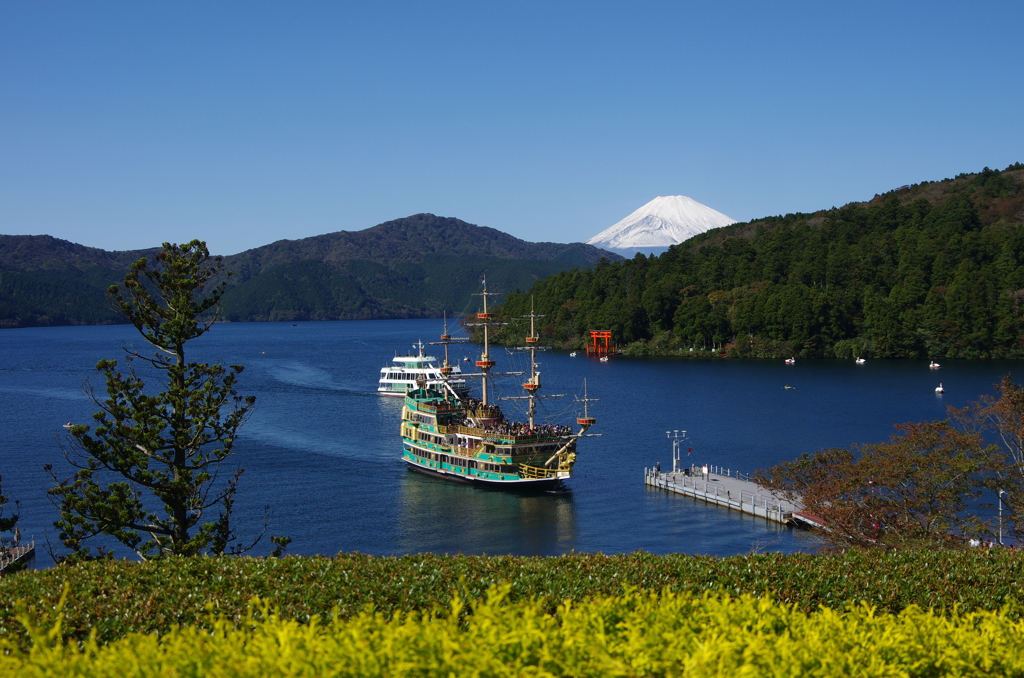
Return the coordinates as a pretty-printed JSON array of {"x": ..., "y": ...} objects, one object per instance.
[
  {"x": 638, "y": 633},
  {"x": 114, "y": 598}
]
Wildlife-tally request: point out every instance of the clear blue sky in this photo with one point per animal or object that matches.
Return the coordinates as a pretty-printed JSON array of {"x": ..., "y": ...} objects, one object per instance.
[{"x": 127, "y": 124}]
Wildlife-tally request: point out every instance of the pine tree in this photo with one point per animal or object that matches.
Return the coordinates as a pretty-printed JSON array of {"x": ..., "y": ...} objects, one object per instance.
[{"x": 149, "y": 468}]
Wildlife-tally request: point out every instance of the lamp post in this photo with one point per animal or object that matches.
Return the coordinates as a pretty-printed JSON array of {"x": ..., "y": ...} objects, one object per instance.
[
  {"x": 1001, "y": 493},
  {"x": 677, "y": 437}
]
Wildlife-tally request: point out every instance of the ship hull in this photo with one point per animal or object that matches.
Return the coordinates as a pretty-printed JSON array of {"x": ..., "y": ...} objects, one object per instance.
[{"x": 523, "y": 485}]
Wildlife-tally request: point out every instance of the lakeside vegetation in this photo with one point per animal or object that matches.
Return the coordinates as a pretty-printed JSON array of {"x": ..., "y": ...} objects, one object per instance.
[
  {"x": 934, "y": 270},
  {"x": 864, "y": 613},
  {"x": 113, "y": 598}
]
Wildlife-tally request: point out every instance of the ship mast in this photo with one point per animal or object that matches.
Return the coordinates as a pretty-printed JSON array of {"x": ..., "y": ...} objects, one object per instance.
[
  {"x": 485, "y": 363},
  {"x": 586, "y": 421},
  {"x": 446, "y": 367},
  {"x": 532, "y": 385}
]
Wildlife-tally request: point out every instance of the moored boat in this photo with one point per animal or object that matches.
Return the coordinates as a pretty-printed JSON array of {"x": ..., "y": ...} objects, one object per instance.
[
  {"x": 470, "y": 440},
  {"x": 402, "y": 375}
]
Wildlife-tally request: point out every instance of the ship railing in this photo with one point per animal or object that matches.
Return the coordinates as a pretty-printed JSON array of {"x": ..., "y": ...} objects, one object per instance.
[
  {"x": 513, "y": 438},
  {"x": 527, "y": 471},
  {"x": 435, "y": 407},
  {"x": 489, "y": 412},
  {"x": 498, "y": 437}
]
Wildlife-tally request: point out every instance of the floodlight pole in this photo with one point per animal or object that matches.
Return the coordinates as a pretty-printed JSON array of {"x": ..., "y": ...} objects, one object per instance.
[
  {"x": 677, "y": 437},
  {"x": 1001, "y": 491}
]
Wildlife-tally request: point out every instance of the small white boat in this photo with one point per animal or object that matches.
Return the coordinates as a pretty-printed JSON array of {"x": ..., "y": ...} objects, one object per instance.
[
  {"x": 790, "y": 361},
  {"x": 573, "y": 354},
  {"x": 939, "y": 389},
  {"x": 860, "y": 361},
  {"x": 934, "y": 365},
  {"x": 604, "y": 358},
  {"x": 67, "y": 425}
]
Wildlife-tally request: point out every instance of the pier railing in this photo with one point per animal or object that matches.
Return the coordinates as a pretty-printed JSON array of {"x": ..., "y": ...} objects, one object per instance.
[
  {"x": 740, "y": 494},
  {"x": 9, "y": 555},
  {"x": 721, "y": 471}
]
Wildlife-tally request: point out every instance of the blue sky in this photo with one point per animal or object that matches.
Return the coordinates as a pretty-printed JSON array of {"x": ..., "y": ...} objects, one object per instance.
[{"x": 127, "y": 124}]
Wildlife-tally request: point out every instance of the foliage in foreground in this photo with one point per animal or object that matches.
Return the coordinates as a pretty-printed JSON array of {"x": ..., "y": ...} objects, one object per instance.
[
  {"x": 638, "y": 633},
  {"x": 112, "y": 599}
]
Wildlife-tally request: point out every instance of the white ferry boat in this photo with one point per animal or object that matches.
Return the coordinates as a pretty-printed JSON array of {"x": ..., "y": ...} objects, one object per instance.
[{"x": 401, "y": 376}]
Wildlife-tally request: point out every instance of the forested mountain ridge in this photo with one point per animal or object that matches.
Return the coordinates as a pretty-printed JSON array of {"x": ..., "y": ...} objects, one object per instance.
[
  {"x": 931, "y": 270},
  {"x": 411, "y": 240},
  {"x": 419, "y": 266},
  {"x": 48, "y": 281}
]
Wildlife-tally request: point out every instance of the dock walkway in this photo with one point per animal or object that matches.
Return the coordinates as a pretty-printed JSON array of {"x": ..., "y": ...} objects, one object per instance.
[
  {"x": 12, "y": 555},
  {"x": 725, "y": 488}
]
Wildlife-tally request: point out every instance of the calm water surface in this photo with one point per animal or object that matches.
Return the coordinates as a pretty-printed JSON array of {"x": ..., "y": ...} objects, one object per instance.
[{"x": 322, "y": 449}]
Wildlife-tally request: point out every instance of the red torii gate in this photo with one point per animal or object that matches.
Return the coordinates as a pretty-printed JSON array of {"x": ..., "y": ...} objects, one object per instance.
[{"x": 601, "y": 343}]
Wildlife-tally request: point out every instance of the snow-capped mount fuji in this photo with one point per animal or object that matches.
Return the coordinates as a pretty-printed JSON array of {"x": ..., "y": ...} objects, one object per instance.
[{"x": 664, "y": 221}]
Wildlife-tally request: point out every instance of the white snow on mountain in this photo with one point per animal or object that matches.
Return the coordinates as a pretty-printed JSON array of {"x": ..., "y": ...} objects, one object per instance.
[{"x": 662, "y": 222}]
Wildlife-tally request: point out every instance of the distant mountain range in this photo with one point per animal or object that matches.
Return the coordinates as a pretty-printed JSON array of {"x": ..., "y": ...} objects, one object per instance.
[
  {"x": 420, "y": 266},
  {"x": 661, "y": 223}
]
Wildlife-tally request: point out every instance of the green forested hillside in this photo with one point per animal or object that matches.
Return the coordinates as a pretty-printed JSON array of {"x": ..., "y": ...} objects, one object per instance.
[
  {"x": 48, "y": 281},
  {"x": 71, "y": 297},
  {"x": 931, "y": 270},
  {"x": 361, "y": 289},
  {"x": 420, "y": 266}
]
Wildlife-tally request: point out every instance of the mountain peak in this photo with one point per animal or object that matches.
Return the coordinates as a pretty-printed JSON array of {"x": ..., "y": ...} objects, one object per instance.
[{"x": 664, "y": 221}]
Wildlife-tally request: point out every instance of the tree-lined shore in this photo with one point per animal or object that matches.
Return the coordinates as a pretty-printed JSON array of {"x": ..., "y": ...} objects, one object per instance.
[{"x": 934, "y": 270}]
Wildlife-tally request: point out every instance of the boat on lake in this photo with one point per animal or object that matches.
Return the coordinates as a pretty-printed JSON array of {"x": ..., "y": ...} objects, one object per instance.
[
  {"x": 470, "y": 440},
  {"x": 402, "y": 375}
]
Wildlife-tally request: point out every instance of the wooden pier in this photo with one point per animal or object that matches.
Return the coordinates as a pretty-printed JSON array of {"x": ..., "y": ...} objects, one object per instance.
[
  {"x": 12, "y": 555},
  {"x": 726, "y": 488}
]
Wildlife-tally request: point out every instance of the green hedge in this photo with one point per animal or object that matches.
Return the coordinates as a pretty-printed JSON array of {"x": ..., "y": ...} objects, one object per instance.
[
  {"x": 115, "y": 598},
  {"x": 635, "y": 634}
]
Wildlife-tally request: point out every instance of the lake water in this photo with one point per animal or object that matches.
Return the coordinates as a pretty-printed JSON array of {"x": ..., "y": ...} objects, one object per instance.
[{"x": 322, "y": 448}]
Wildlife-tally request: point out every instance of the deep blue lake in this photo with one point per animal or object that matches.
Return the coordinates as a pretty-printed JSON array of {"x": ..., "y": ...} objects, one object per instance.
[{"x": 322, "y": 448}]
